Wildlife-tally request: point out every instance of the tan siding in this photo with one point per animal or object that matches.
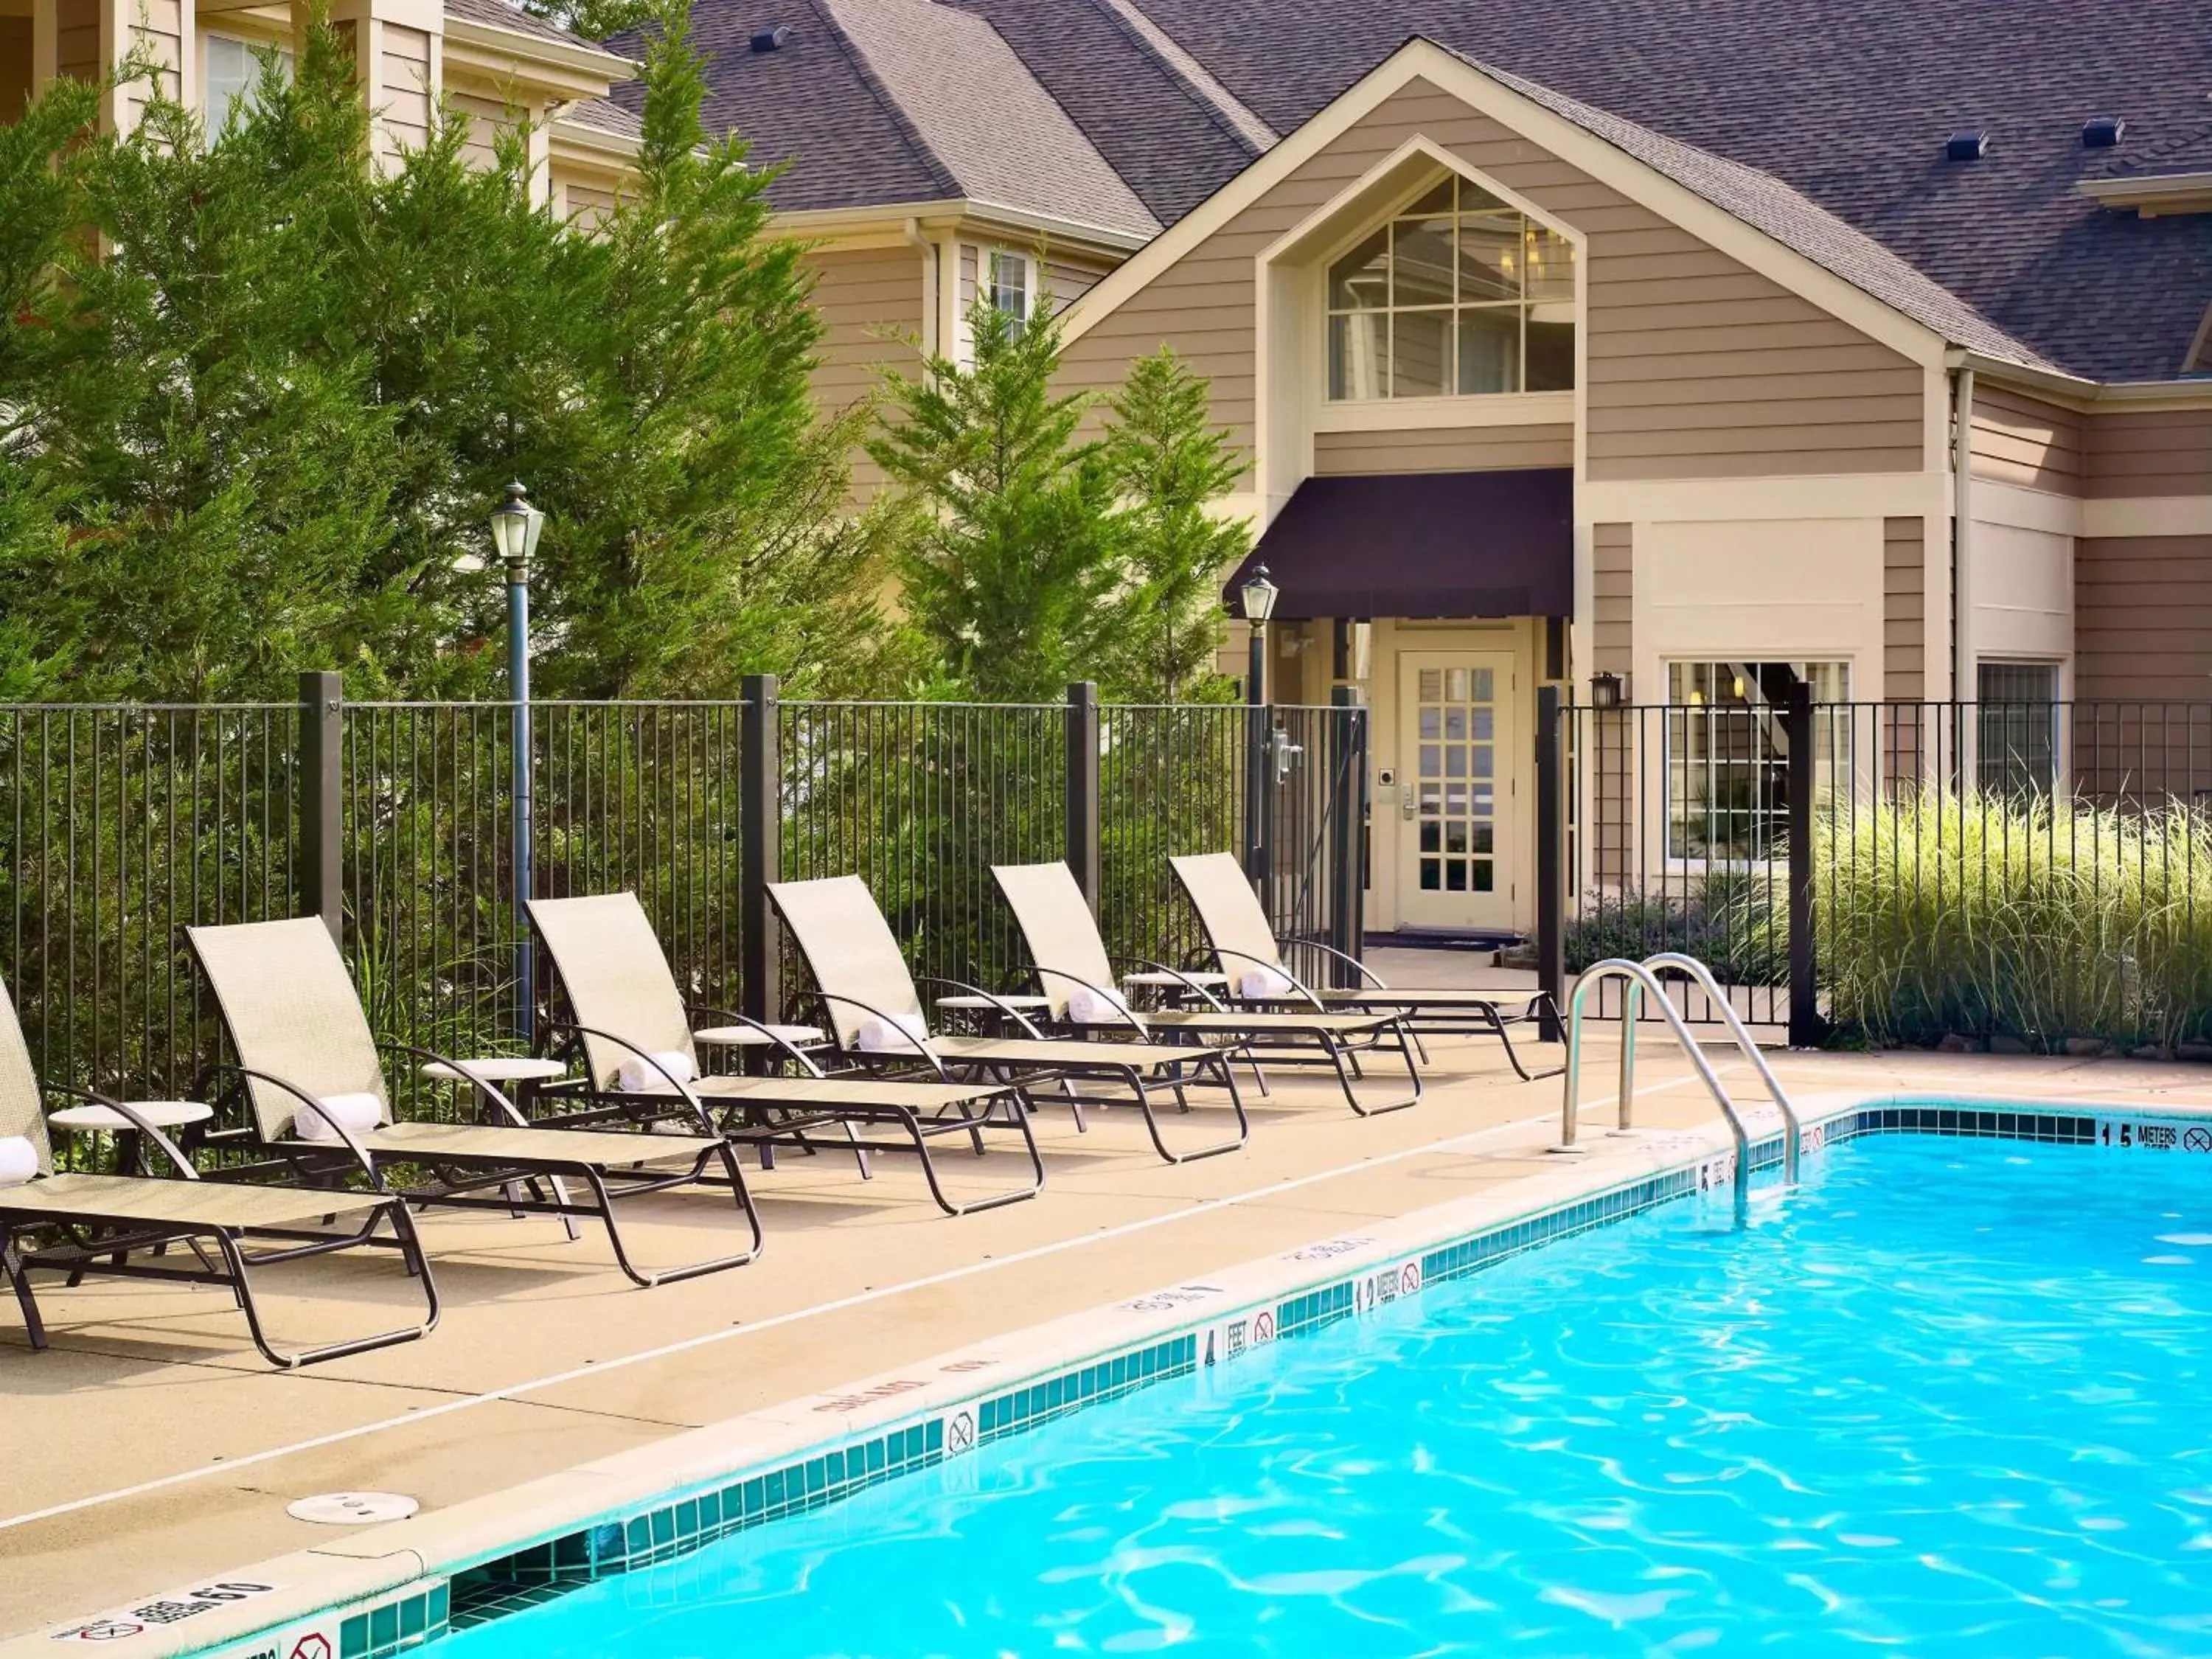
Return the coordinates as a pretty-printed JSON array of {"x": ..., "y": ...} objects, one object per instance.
[
  {"x": 487, "y": 117},
  {"x": 869, "y": 303},
  {"x": 2024, "y": 441},
  {"x": 14, "y": 67},
  {"x": 590, "y": 202},
  {"x": 2142, "y": 617},
  {"x": 1905, "y": 608},
  {"x": 77, "y": 42},
  {"x": 1610, "y": 737},
  {"x": 158, "y": 27},
  {"x": 406, "y": 101},
  {"x": 1611, "y": 599},
  {"x": 2161, "y": 451},
  {"x": 1069, "y": 280},
  {"x": 1444, "y": 449},
  {"x": 1697, "y": 367}
]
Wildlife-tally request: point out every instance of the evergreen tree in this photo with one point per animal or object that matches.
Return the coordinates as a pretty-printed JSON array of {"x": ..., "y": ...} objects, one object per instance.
[{"x": 1169, "y": 463}]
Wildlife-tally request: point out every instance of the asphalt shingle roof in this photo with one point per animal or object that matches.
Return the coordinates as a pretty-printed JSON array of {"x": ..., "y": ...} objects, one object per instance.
[
  {"x": 499, "y": 15},
  {"x": 1847, "y": 102}
]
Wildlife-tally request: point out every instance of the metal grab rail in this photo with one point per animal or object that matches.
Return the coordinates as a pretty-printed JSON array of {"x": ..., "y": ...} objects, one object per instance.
[
  {"x": 1645, "y": 975},
  {"x": 1793, "y": 1132}
]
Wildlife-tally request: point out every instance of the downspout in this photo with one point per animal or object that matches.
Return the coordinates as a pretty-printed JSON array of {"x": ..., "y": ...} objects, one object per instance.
[
  {"x": 1963, "y": 682},
  {"x": 928, "y": 250}
]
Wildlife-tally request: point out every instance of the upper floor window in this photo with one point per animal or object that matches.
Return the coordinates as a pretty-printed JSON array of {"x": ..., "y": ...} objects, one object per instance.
[
  {"x": 1458, "y": 295},
  {"x": 232, "y": 70},
  {"x": 1009, "y": 284}
]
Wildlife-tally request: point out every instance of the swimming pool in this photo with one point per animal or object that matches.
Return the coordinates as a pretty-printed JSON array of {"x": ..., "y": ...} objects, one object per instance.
[{"x": 1943, "y": 1397}]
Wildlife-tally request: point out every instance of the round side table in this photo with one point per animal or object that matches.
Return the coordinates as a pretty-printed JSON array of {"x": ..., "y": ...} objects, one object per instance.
[
  {"x": 977, "y": 1012},
  {"x": 1168, "y": 990},
  {"x": 92, "y": 1119}
]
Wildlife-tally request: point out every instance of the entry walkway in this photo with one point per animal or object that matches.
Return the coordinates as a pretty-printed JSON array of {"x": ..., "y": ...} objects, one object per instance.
[{"x": 150, "y": 1446}]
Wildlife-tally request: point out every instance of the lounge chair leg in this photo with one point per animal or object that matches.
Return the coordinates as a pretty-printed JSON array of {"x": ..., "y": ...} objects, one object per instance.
[
  {"x": 19, "y": 1280},
  {"x": 860, "y": 1152},
  {"x": 242, "y": 1288}
]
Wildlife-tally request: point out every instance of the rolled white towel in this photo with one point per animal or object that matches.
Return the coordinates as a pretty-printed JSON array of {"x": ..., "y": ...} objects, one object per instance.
[
  {"x": 1098, "y": 1005},
  {"x": 894, "y": 1033},
  {"x": 359, "y": 1112},
  {"x": 640, "y": 1075},
  {"x": 1265, "y": 983},
  {"x": 19, "y": 1160}
]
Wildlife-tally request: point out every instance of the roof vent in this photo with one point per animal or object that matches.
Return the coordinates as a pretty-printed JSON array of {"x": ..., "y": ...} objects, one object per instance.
[
  {"x": 2102, "y": 132},
  {"x": 1970, "y": 144},
  {"x": 769, "y": 39}
]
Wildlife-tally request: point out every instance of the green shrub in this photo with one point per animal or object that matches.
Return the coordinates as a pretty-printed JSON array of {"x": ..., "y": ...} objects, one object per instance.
[
  {"x": 1733, "y": 921},
  {"x": 1941, "y": 913}
]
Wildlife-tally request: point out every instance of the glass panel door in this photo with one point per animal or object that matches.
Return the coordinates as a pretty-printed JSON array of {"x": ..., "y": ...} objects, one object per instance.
[{"x": 1455, "y": 753}]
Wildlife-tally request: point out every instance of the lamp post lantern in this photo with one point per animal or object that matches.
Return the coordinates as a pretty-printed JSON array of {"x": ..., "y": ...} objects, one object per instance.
[
  {"x": 1258, "y": 596},
  {"x": 515, "y": 524}
]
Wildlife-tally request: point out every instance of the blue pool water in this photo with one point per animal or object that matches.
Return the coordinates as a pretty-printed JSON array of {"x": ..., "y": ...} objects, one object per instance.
[{"x": 1949, "y": 1397}]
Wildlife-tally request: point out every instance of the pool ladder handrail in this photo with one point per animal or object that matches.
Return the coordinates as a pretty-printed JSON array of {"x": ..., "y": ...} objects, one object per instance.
[{"x": 1641, "y": 976}]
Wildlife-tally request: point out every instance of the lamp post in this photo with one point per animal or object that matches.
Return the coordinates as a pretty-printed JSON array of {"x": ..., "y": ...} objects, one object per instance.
[
  {"x": 514, "y": 530},
  {"x": 1258, "y": 596}
]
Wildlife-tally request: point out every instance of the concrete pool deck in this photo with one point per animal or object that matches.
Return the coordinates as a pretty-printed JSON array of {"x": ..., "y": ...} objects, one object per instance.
[{"x": 157, "y": 1448}]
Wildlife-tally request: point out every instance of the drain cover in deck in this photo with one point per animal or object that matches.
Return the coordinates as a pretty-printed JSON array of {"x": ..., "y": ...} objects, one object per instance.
[{"x": 351, "y": 1508}]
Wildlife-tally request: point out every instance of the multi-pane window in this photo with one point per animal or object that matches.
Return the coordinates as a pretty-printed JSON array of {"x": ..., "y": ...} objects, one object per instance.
[
  {"x": 2016, "y": 727},
  {"x": 1456, "y": 772},
  {"x": 1458, "y": 295},
  {"x": 1728, "y": 753},
  {"x": 1008, "y": 283},
  {"x": 231, "y": 68}
]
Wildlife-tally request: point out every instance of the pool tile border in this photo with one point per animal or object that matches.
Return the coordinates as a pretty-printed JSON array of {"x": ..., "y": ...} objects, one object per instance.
[{"x": 912, "y": 1423}]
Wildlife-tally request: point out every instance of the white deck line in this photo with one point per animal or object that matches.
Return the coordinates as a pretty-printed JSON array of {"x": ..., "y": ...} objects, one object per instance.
[{"x": 709, "y": 1338}]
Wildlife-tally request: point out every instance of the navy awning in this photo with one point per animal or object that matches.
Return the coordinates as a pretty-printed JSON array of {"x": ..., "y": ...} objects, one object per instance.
[{"x": 1422, "y": 544}]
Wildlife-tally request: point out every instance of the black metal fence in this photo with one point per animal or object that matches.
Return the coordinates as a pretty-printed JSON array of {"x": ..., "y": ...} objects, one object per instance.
[
  {"x": 397, "y": 822},
  {"x": 2033, "y": 874}
]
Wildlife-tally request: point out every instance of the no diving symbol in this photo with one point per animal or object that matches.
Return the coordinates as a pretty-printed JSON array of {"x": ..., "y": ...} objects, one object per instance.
[
  {"x": 1263, "y": 1327},
  {"x": 1409, "y": 1279},
  {"x": 2196, "y": 1140},
  {"x": 314, "y": 1645},
  {"x": 960, "y": 1432}
]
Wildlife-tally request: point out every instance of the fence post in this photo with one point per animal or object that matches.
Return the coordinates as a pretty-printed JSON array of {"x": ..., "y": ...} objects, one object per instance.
[
  {"x": 320, "y": 800},
  {"x": 1550, "y": 861},
  {"x": 760, "y": 856},
  {"x": 1083, "y": 787},
  {"x": 1805, "y": 1024},
  {"x": 1255, "y": 782},
  {"x": 1348, "y": 916}
]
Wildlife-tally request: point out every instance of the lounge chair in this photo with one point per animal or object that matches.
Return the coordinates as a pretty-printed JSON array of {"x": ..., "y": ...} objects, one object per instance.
[
  {"x": 296, "y": 1023},
  {"x": 97, "y": 1224},
  {"x": 875, "y": 1010},
  {"x": 1076, "y": 972},
  {"x": 625, "y": 1000},
  {"x": 1244, "y": 941}
]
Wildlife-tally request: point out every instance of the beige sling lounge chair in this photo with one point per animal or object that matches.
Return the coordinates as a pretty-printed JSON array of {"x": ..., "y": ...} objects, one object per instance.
[
  {"x": 625, "y": 1000},
  {"x": 863, "y": 982},
  {"x": 1237, "y": 930},
  {"x": 120, "y": 1225},
  {"x": 296, "y": 1022},
  {"x": 1071, "y": 958}
]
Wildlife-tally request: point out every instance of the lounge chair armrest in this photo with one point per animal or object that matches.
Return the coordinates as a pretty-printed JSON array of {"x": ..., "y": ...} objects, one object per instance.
[
  {"x": 1304, "y": 990},
  {"x": 920, "y": 1052},
  {"x": 1179, "y": 974},
  {"x": 359, "y": 1152},
  {"x": 731, "y": 1017},
  {"x": 698, "y": 1109},
  {"x": 1355, "y": 964},
  {"x": 460, "y": 1068},
  {"x": 1111, "y": 995},
  {"x": 136, "y": 1119},
  {"x": 991, "y": 997}
]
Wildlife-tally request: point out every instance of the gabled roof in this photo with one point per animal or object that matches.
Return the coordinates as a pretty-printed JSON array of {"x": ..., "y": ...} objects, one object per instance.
[
  {"x": 1766, "y": 203},
  {"x": 497, "y": 14},
  {"x": 605, "y": 115},
  {"x": 888, "y": 102},
  {"x": 1847, "y": 102}
]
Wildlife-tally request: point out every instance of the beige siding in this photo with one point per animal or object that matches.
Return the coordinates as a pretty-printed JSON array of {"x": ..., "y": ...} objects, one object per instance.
[
  {"x": 1444, "y": 449},
  {"x": 77, "y": 38},
  {"x": 1697, "y": 367},
  {"x": 406, "y": 101},
  {"x": 158, "y": 27},
  {"x": 869, "y": 303},
  {"x": 487, "y": 117},
  {"x": 1905, "y": 608},
  {"x": 589, "y": 202},
  {"x": 2162, "y": 451},
  {"x": 1069, "y": 279},
  {"x": 1611, "y": 599},
  {"x": 2142, "y": 617},
  {"x": 2022, "y": 439},
  {"x": 15, "y": 66}
]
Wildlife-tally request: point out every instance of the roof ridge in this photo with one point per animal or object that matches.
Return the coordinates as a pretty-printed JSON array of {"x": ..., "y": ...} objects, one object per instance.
[
  {"x": 940, "y": 172},
  {"x": 1228, "y": 112}
]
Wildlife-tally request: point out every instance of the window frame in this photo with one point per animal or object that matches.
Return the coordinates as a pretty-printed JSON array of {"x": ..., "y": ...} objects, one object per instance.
[
  {"x": 1760, "y": 857},
  {"x": 986, "y": 278},
  {"x": 1451, "y": 405},
  {"x": 254, "y": 44},
  {"x": 2055, "y": 771}
]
